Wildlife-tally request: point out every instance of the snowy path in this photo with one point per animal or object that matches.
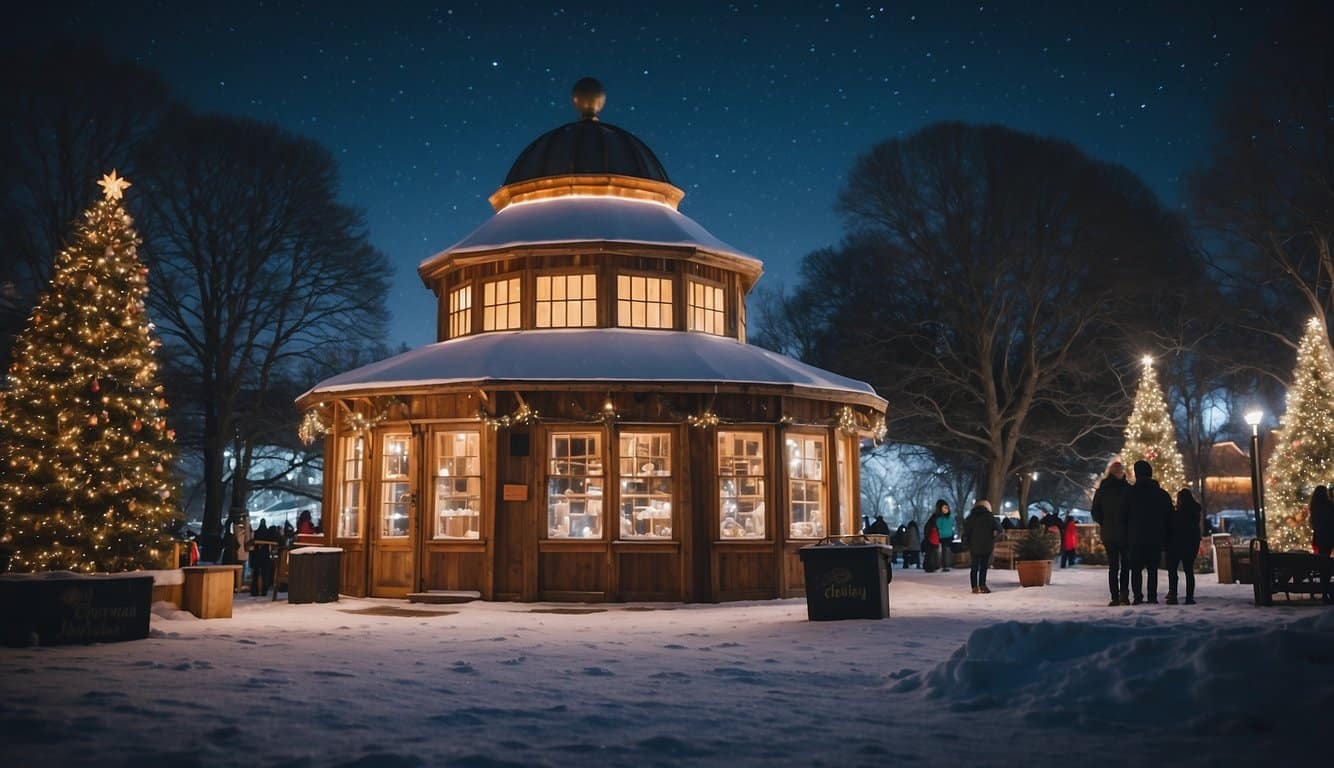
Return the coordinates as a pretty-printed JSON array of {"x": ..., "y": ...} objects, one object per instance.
[{"x": 738, "y": 684}]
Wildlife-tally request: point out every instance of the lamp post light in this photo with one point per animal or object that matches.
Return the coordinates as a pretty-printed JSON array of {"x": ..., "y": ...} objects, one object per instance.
[{"x": 1257, "y": 476}]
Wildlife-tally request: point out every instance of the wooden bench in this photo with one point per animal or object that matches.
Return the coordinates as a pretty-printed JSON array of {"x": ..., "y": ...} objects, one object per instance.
[{"x": 1287, "y": 572}]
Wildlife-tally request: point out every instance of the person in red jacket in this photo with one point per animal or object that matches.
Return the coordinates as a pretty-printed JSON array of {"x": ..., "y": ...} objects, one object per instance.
[{"x": 1069, "y": 541}]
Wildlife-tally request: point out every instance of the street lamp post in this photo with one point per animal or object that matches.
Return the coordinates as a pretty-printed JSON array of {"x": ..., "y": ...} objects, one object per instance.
[{"x": 1257, "y": 476}]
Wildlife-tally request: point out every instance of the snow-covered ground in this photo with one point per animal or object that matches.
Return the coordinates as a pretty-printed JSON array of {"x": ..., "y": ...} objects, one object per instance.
[{"x": 1020, "y": 677}]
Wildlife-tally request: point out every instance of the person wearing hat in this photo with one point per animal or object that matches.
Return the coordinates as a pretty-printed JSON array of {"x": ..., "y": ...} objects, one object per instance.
[
  {"x": 1147, "y": 510},
  {"x": 1112, "y": 527},
  {"x": 980, "y": 530}
]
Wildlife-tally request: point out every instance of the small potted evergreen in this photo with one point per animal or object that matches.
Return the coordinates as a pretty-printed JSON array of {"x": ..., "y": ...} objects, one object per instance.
[{"x": 1032, "y": 556}]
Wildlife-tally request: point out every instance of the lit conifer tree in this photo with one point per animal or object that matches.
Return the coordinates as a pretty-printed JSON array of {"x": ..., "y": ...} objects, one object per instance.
[
  {"x": 1304, "y": 455},
  {"x": 1151, "y": 435},
  {"x": 85, "y": 452}
]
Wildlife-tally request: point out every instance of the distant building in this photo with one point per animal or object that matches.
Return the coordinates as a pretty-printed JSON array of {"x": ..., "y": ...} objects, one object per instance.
[{"x": 1227, "y": 475}]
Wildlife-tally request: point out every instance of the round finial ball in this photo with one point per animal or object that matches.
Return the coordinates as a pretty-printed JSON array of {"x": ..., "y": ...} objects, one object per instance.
[{"x": 588, "y": 96}]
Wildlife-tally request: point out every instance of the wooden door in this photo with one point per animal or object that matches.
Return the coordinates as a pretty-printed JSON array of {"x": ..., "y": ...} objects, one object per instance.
[{"x": 394, "y": 515}]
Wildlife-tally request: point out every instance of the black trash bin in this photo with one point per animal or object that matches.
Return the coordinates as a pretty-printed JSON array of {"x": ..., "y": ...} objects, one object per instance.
[
  {"x": 313, "y": 574},
  {"x": 847, "y": 577}
]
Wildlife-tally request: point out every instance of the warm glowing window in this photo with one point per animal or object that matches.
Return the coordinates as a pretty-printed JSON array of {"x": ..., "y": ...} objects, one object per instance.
[
  {"x": 458, "y": 485},
  {"x": 395, "y": 487},
  {"x": 460, "y": 312},
  {"x": 806, "y": 485},
  {"x": 706, "y": 308},
  {"x": 567, "y": 301},
  {"x": 353, "y": 452},
  {"x": 574, "y": 486},
  {"x": 646, "y": 485},
  {"x": 846, "y": 513},
  {"x": 643, "y": 302},
  {"x": 741, "y": 485},
  {"x": 500, "y": 305}
]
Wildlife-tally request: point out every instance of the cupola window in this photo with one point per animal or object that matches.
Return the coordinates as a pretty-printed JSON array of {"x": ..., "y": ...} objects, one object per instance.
[
  {"x": 706, "y": 308},
  {"x": 567, "y": 301},
  {"x": 460, "y": 312},
  {"x": 500, "y": 305},
  {"x": 643, "y": 302}
]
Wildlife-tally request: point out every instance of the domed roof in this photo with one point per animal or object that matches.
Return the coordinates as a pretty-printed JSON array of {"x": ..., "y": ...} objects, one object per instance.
[{"x": 587, "y": 146}]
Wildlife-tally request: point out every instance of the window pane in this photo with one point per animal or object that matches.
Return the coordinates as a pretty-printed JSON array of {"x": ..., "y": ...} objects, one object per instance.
[
  {"x": 645, "y": 462},
  {"x": 574, "y": 486},
  {"x": 806, "y": 485},
  {"x": 395, "y": 488},
  {"x": 706, "y": 308},
  {"x": 350, "y": 504},
  {"x": 741, "y": 476},
  {"x": 458, "y": 485}
]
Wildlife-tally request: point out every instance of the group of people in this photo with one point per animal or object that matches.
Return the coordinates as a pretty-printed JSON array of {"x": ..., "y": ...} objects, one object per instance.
[
  {"x": 930, "y": 547},
  {"x": 1140, "y": 525},
  {"x": 258, "y": 549}
]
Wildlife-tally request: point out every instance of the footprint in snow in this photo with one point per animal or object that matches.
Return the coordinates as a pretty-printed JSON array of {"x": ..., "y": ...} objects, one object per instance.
[
  {"x": 331, "y": 673},
  {"x": 514, "y": 662},
  {"x": 247, "y": 641},
  {"x": 463, "y": 668},
  {"x": 912, "y": 644},
  {"x": 674, "y": 647},
  {"x": 598, "y": 672}
]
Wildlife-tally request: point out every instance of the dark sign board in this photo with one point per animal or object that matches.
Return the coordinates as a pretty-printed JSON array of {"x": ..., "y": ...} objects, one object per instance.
[{"x": 85, "y": 609}]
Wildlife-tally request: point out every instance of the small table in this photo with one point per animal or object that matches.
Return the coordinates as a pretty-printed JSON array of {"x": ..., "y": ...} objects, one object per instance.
[{"x": 209, "y": 589}]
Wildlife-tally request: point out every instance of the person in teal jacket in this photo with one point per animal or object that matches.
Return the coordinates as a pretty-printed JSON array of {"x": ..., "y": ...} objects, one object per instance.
[{"x": 943, "y": 523}]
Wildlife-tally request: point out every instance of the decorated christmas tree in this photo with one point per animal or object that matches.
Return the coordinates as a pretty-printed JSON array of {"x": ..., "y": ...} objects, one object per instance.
[
  {"x": 1151, "y": 435},
  {"x": 85, "y": 452},
  {"x": 1304, "y": 455}
]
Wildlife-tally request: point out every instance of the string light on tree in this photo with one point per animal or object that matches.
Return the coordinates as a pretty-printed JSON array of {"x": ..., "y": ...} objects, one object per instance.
[
  {"x": 84, "y": 447},
  {"x": 1151, "y": 435},
  {"x": 1304, "y": 454}
]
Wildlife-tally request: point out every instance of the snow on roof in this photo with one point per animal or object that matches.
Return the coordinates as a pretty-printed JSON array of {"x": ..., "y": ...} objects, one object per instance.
[
  {"x": 588, "y": 218},
  {"x": 589, "y": 355}
]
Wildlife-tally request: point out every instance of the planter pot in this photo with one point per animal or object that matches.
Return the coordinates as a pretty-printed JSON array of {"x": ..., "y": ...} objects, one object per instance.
[{"x": 1034, "y": 573}]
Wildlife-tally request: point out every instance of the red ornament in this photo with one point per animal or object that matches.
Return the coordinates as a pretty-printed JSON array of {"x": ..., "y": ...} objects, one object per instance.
[
  {"x": 137, "y": 425},
  {"x": 92, "y": 421},
  {"x": 96, "y": 387}
]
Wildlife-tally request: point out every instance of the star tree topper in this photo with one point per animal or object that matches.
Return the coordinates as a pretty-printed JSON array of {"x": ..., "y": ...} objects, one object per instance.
[{"x": 113, "y": 186}]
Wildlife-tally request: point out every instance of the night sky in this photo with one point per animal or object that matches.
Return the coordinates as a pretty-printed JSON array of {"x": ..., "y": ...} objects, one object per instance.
[{"x": 756, "y": 110}]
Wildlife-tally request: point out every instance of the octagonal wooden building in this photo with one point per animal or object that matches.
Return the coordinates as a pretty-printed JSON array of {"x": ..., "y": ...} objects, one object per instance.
[{"x": 591, "y": 424}]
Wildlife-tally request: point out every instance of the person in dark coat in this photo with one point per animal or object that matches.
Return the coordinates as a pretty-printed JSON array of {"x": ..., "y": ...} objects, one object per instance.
[
  {"x": 879, "y": 526},
  {"x": 1112, "y": 527},
  {"x": 1183, "y": 544},
  {"x": 1322, "y": 532},
  {"x": 262, "y": 556},
  {"x": 912, "y": 544},
  {"x": 1147, "y": 509},
  {"x": 980, "y": 530}
]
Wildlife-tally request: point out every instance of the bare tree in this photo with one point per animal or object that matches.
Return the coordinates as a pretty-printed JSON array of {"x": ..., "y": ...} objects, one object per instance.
[
  {"x": 1266, "y": 196},
  {"x": 70, "y": 114},
  {"x": 987, "y": 287},
  {"x": 256, "y": 269}
]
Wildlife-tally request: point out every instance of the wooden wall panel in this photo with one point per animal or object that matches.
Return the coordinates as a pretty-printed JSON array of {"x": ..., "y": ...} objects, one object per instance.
[
  {"x": 448, "y": 569},
  {"x": 566, "y": 573},
  {"x": 794, "y": 575},
  {"x": 744, "y": 575},
  {"x": 353, "y": 567},
  {"x": 648, "y": 575}
]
